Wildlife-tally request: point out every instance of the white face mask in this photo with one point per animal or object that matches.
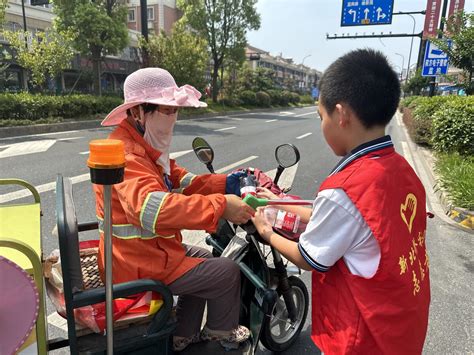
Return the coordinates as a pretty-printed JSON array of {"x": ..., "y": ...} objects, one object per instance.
[{"x": 158, "y": 134}]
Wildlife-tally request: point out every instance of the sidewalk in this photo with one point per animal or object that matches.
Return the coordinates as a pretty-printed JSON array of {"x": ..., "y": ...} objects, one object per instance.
[{"x": 437, "y": 200}]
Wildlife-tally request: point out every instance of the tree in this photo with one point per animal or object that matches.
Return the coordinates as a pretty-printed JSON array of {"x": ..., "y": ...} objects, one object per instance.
[
  {"x": 47, "y": 55},
  {"x": 416, "y": 83},
  {"x": 224, "y": 23},
  {"x": 182, "y": 53},
  {"x": 100, "y": 28},
  {"x": 460, "y": 30}
]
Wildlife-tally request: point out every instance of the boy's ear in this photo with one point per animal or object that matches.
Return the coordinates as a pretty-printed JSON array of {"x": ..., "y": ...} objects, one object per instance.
[{"x": 343, "y": 114}]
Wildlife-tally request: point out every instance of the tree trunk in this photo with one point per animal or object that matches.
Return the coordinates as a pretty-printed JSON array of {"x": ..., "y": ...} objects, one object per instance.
[
  {"x": 97, "y": 74},
  {"x": 215, "y": 74}
]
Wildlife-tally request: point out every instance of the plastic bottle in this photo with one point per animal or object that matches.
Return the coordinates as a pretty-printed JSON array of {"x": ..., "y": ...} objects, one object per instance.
[
  {"x": 248, "y": 185},
  {"x": 279, "y": 219}
]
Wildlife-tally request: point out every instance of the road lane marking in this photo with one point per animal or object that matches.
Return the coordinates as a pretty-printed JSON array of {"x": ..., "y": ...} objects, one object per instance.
[
  {"x": 235, "y": 118},
  {"x": 224, "y": 129},
  {"x": 236, "y": 164},
  {"x": 407, "y": 154},
  {"x": 304, "y": 135},
  {"x": 68, "y": 139},
  {"x": 24, "y": 148},
  {"x": 286, "y": 113},
  {"x": 84, "y": 153},
  {"x": 305, "y": 114},
  {"x": 42, "y": 134},
  {"x": 268, "y": 121}
]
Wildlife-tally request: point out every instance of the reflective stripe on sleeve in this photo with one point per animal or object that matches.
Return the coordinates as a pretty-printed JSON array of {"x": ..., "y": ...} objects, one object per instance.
[
  {"x": 129, "y": 231},
  {"x": 151, "y": 209},
  {"x": 185, "y": 181}
]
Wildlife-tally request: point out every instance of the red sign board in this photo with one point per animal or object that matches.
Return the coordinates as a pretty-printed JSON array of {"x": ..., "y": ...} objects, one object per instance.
[
  {"x": 455, "y": 6},
  {"x": 433, "y": 10}
]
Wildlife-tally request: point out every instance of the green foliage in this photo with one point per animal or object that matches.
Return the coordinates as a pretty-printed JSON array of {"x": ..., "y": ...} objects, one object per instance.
[
  {"x": 416, "y": 83},
  {"x": 24, "y": 106},
  {"x": 224, "y": 25},
  {"x": 100, "y": 27},
  {"x": 47, "y": 55},
  {"x": 182, "y": 53},
  {"x": 408, "y": 102},
  {"x": 306, "y": 99},
  {"x": 263, "y": 99},
  {"x": 420, "y": 127},
  {"x": 453, "y": 126},
  {"x": 455, "y": 177},
  {"x": 248, "y": 97},
  {"x": 260, "y": 79},
  {"x": 460, "y": 29},
  {"x": 3, "y": 8},
  {"x": 294, "y": 98}
]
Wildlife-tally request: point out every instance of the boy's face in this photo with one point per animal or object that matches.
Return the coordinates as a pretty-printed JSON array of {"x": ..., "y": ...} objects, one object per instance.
[{"x": 332, "y": 130}]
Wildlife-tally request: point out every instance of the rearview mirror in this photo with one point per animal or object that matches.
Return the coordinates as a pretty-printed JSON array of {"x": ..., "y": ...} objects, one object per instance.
[{"x": 287, "y": 155}]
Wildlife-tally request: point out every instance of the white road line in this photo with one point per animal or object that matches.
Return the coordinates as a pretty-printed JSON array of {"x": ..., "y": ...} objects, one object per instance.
[
  {"x": 27, "y": 148},
  {"x": 224, "y": 129},
  {"x": 236, "y": 164},
  {"x": 268, "y": 121},
  {"x": 42, "y": 134},
  {"x": 407, "y": 154},
  {"x": 84, "y": 153},
  {"x": 68, "y": 139},
  {"x": 11, "y": 196},
  {"x": 286, "y": 113},
  {"x": 304, "y": 135},
  {"x": 398, "y": 118},
  {"x": 235, "y": 118},
  {"x": 305, "y": 114}
]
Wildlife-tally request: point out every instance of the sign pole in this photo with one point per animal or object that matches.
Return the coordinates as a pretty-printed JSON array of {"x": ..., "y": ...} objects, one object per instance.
[{"x": 440, "y": 35}]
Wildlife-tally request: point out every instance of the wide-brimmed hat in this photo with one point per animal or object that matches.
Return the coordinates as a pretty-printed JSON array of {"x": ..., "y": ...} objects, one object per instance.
[{"x": 153, "y": 86}]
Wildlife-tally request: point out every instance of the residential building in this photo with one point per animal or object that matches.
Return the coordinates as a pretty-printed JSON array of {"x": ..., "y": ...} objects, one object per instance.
[
  {"x": 161, "y": 15},
  {"x": 288, "y": 74}
]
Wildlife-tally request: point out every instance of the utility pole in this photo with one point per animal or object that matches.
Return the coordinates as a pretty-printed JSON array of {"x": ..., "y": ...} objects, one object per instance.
[
  {"x": 144, "y": 28},
  {"x": 440, "y": 35}
]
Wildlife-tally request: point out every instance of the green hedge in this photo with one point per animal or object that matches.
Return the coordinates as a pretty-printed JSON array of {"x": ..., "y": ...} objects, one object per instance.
[
  {"x": 263, "y": 99},
  {"x": 24, "y": 106},
  {"x": 453, "y": 126}
]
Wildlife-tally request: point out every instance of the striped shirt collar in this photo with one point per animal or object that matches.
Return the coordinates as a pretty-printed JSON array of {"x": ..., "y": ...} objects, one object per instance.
[{"x": 361, "y": 150}]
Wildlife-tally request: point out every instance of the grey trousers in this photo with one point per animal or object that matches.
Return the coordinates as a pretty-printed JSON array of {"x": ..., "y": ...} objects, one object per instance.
[{"x": 217, "y": 281}]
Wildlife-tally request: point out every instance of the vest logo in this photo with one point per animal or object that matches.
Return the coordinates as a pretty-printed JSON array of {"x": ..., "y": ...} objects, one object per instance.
[{"x": 408, "y": 210}]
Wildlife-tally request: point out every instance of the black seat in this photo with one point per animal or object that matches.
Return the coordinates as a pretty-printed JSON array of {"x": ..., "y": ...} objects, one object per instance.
[{"x": 151, "y": 337}]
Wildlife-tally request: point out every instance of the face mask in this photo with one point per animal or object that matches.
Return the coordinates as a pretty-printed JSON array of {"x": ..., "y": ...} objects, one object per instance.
[{"x": 158, "y": 134}]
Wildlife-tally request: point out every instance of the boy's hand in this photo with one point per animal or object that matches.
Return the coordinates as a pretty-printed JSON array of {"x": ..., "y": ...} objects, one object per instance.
[
  {"x": 263, "y": 227},
  {"x": 236, "y": 210},
  {"x": 262, "y": 192}
]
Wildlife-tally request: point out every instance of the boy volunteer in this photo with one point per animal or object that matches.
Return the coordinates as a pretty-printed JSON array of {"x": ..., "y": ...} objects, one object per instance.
[{"x": 365, "y": 240}]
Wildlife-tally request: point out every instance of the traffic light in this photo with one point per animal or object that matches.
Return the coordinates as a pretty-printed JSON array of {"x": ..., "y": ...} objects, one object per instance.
[{"x": 39, "y": 2}]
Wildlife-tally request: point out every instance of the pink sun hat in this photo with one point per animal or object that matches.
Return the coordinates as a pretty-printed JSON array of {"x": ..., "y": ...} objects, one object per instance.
[{"x": 153, "y": 86}]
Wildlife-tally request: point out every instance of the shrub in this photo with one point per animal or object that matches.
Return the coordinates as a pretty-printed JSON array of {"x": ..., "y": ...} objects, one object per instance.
[
  {"x": 407, "y": 101},
  {"x": 453, "y": 126},
  {"x": 455, "y": 177},
  {"x": 25, "y": 106},
  {"x": 422, "y": 117},
  {"x": 248, "y": 97},
  {"x": 294, "y": 98},
  {"x": 307, "y": 99},
  {"x": 285, "y": 98},
  {"x": 275, "y": 96},
  {"x": 230, "y": 101},
  {"x": 263, "y": 99}
]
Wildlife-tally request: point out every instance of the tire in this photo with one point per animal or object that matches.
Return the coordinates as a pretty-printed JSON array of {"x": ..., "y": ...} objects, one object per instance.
[{"x": 285, "y": 335}]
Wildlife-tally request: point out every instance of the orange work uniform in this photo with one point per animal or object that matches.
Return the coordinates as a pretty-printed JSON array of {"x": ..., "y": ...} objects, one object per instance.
[{"x": 147, "y": 217}]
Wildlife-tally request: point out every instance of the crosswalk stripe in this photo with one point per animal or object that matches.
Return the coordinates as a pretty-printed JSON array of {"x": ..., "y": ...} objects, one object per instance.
[{"x": 27, "y": 148}]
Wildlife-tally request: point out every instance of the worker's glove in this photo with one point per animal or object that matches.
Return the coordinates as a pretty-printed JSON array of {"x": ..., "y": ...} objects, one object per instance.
[{"x": 232, "y": 184}]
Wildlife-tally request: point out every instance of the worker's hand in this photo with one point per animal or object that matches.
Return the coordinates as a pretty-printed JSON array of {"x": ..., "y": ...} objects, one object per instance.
[
  {"x": 264, "y": 227},
  {"x": 263, "y": 192},
  {"x": 232, "y": 182},
  {"x": 236, "y": 210}
]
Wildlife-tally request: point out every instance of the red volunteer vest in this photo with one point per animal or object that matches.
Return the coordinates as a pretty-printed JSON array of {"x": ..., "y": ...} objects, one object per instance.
[{"x": 388, "y": 313}]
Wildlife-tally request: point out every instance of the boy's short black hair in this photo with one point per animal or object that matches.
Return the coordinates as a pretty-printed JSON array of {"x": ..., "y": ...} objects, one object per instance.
[{"x": 365, "y": 81}]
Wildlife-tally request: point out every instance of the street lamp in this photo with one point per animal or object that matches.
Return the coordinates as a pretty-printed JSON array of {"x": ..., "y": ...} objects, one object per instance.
[
  {"x": 403, "y": 65},
  {"x": 306, "y": 56},
  {"x": 411, "y": 45}
]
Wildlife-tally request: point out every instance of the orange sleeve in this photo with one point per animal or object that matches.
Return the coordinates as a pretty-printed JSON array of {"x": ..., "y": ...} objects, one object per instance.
[
  {"x": 188, "y": 183},
  {"x": 147, "y": 202}
]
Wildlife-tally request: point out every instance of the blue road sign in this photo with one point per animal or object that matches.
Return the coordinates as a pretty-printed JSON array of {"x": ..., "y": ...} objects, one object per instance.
[
  {"x": 314, "y": 93},
  {"x": 436, "y": 61},
  {"x": 366, "y": 12}
]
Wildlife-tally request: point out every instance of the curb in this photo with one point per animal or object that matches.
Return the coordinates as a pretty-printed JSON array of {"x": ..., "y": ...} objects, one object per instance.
[
  {"x": 11, "y": 132},
  {"x": 459, "y": 217}
]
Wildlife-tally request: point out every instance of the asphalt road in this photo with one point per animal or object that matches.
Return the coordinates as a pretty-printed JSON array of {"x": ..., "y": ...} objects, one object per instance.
[{"x": 250, "y": 138}]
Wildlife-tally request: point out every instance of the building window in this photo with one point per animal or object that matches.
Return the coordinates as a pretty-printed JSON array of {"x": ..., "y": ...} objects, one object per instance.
[
  {"x": 151, "y": 14},
  {"x": 131, "y": 15}
]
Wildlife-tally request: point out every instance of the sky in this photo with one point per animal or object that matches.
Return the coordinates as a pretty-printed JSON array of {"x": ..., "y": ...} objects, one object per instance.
[{"x": 297, "y": 28}]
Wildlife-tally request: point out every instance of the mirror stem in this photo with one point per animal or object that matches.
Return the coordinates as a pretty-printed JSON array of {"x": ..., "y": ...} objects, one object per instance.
[
  {"x": 210, "y": 168},
  {"x": 278, "y": 174}
]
